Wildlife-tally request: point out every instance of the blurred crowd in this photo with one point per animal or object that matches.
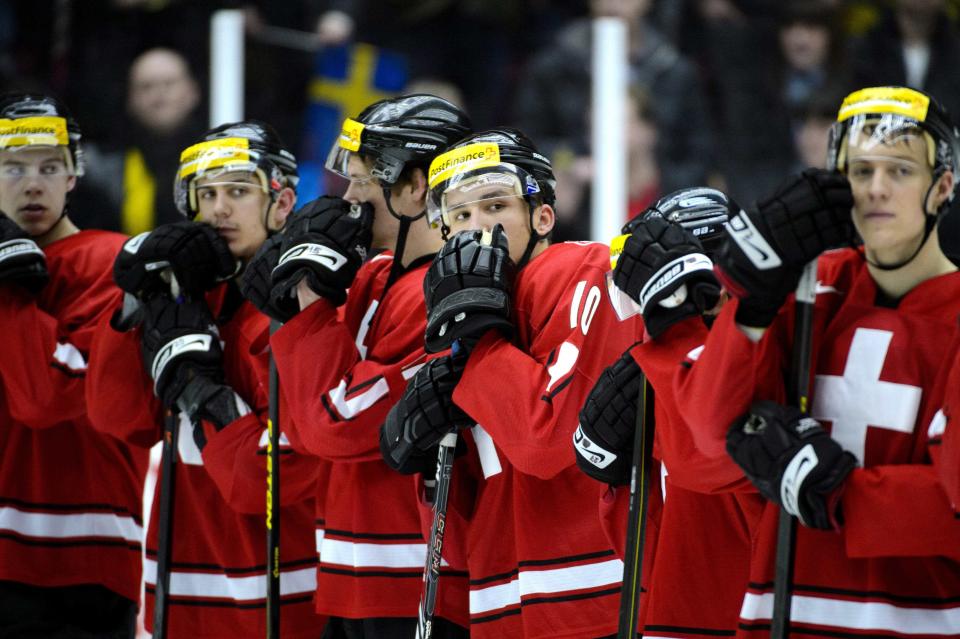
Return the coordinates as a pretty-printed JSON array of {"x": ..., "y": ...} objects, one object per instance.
[{"x": 732, "y": 93}]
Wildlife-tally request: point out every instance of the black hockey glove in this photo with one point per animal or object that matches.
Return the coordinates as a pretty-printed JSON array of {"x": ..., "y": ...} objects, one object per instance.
[
  {"x": 196, "y": 255},
  {"x": 22, "y": 262},
  {"x": 205, "y": 399},
  {"x": 764, "y": 251},
  {"x": 608, "y": 422},
  {"x": 256, "y": 284},
  {"x": 468, "y": 289},
  {"x": 179, "y": 342},
  {"x": 326, "y": 241},
  {"x": 415, "y": 425},
  {"x": 792, "y": 461},
  {"x": 664, "y": 269}
]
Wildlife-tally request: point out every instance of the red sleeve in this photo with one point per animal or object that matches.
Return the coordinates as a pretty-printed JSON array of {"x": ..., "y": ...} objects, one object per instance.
[
  {"x": 898, "y": 511},
  {"x": 42, "y": 375},
  {"x": 663, "y": 360},
  {"x": 530, "y": 402},
  {"x": 236, "y": 460},
  {"x": 236, "y": 456},
  {"x": 119, "y": 392},
  {"x": 338, "y": 399},
  {"x": 943, "y": 433},
  {"x": 715, "y": 385}
]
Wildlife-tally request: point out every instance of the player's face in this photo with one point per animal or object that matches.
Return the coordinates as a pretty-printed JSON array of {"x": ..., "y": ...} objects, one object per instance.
[
  {"x": 34, "y": 183},
  {"x": 891, "y": 192},
  {"x": 236, "y": 206},
  {"x": 366, "y": 188},
  {"x": 483, "y": 209}
]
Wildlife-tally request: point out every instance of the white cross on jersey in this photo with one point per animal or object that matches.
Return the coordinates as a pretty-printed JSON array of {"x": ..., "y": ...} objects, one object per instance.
[{"x": 858, "y": 398}]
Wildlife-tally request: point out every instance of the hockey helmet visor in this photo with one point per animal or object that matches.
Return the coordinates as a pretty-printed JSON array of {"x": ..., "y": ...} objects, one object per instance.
[
  {"x": 877, "y": 118},
  {"x": 470, "y": 174},
  {"x": 38, "y": 132},
  {"x": 212, "y": 159}
]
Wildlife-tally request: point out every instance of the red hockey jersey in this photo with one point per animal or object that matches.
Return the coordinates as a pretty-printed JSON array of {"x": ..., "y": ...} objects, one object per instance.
[
  {"x": 218, "y": 561},
  {"x": 340, "y": 377},
  {"x": 540, "y": 565},
  {"x": 893, "y": 569},
  {"x": 70, "y": 497}
]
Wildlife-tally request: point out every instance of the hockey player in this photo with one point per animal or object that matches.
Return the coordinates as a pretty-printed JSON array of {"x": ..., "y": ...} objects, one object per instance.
[
  {"x": 202, "y": 352},
  {"x": 531, "y": 341},
  {"x": 665, "y": 268},
  {"x": 70, "y": 498},
  {"x": 884, "y": 314},
  {"x": 342, "y": 371}
]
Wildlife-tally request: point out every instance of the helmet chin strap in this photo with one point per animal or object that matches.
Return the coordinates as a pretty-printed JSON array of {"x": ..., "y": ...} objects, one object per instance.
[
  {"x": 929, "y": 223},
  {"x": 266, "y": 217},
  {"x": 405, "y": 222},
  {"x": 532, "y": 242}
]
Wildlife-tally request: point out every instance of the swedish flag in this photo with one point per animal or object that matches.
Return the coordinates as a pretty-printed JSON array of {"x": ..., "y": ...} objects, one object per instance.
[{"x": 346, "y": 79}]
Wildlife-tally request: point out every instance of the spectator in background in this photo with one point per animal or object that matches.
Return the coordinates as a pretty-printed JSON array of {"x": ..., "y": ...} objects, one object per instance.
[
  {"x": 131, "y": 183},
  {"x": 812, "y": 131},
  {"x": 915, "y": 44},
  {"x": 575, "y": 174},
  {"x": 555, "y": 93},
  {"x": 279, "y": 66},
  {"x": 775, "y": 90}
]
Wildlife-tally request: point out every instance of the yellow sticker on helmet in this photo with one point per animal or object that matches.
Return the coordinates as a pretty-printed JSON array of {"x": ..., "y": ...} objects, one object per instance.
[
  {"x": 350, "y": 135},
  {"x": 616, "y": 248},
  {"x": 46, "y": 130},
  {"x": 467, "y": 158},
  {"x": 213, "y": 154},
  {"x": 899, "y": 100}
]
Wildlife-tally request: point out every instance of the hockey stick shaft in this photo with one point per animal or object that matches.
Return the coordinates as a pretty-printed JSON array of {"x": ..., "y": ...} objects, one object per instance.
[
  {"x": 431, "y": 570},
  {"x": 273, "y": 500},
  {"x": 798, "y": 389},
  {"x": 636, "y": 517},
  {"x": 167, "y": 486}
]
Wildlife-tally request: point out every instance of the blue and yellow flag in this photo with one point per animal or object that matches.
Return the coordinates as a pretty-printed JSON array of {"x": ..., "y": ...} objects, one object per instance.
[{"x": 346, "y": 79}]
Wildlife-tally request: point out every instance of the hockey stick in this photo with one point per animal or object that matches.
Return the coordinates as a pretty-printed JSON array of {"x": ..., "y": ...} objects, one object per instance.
[
  {"x": 798, "y": 391},
  {"x": 637, "y": 516},
  {"x": 431, "y": 571},
  {"x": 168, "y": 469},
  {"x": 273, "y": 500}
]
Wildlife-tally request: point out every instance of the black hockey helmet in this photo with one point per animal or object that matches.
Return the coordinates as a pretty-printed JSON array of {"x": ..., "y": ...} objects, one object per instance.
[
  {"x": 505, "y": 157},
  {"x": 249, "y": 145},
  {"x": 409, "y": 130},
  {"x": 512, "y": 147},
  {"x": 32, "y": 120},
  {"x": 701, "y": 210}
]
